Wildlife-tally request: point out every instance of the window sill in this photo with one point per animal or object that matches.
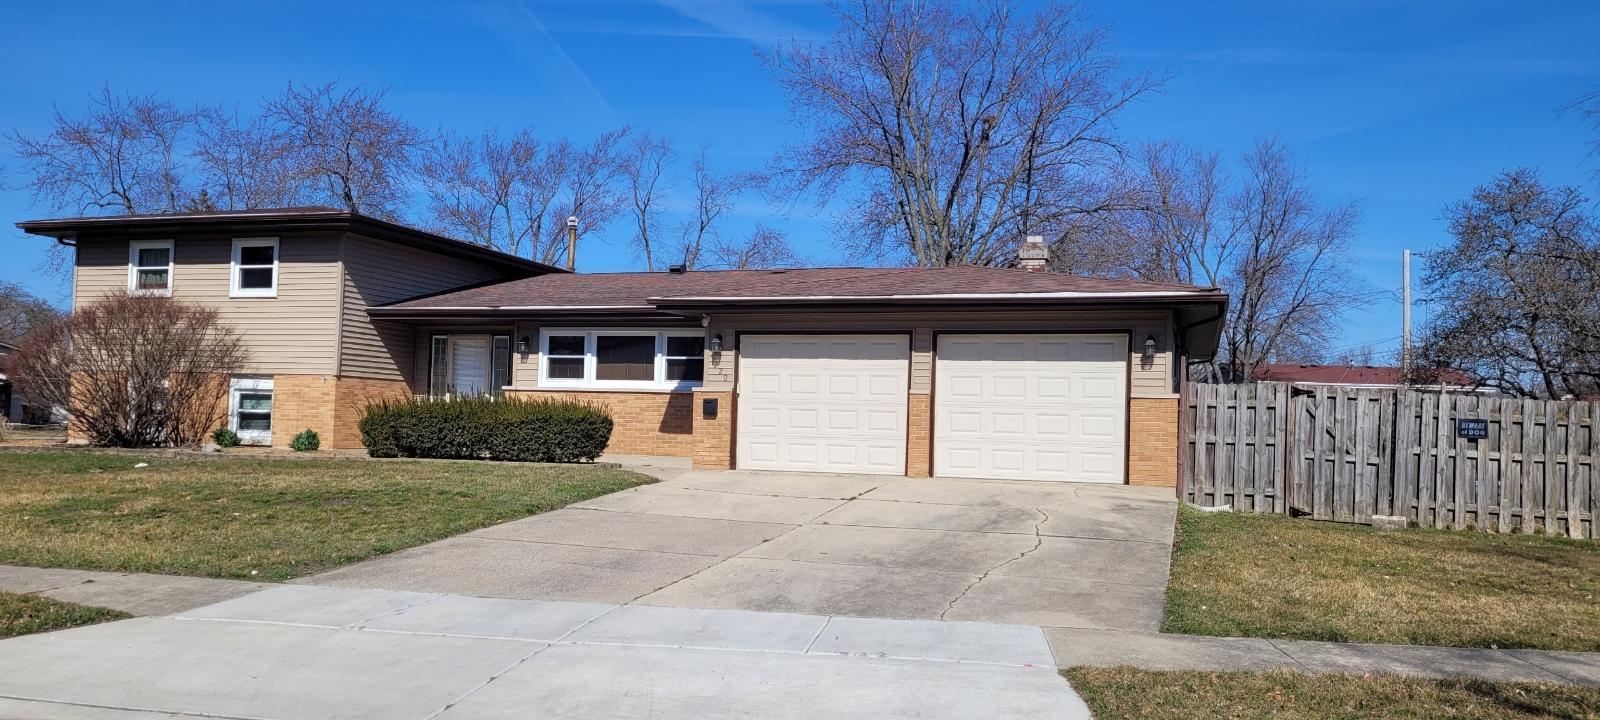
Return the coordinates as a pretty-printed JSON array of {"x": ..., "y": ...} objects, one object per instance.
[
  {"x": 664, "y": 389},
  {"x": 235, "y": 295}
]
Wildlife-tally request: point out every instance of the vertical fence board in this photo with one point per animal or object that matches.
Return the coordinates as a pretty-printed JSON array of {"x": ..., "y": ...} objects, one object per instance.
[
  {"x": 1576, "y": 413},
  {"x": 1506, "y": 410}
]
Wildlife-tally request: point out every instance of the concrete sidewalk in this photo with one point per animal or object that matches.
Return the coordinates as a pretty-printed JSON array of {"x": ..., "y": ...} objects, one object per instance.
[
  {"x": 1156, "y": 651},
  {"x": 132, "y": 593},
  {"x": 295, "y": 652}
]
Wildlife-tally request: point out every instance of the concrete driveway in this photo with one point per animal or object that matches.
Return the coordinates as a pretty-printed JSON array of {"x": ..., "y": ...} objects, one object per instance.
[
  {"x": 317, "y": 653},
  {"x": 1051, "y": 555}
]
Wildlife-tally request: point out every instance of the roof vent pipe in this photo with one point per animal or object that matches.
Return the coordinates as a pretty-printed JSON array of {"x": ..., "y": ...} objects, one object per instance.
[
  {"x": 1034, "y": 255},
  {"x": 572, "y": 243}
]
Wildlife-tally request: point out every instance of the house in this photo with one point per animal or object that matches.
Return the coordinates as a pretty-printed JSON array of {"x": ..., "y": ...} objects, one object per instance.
[
  {"x": 1360, "y": 377},
  {"x": 1011, "y": 373},
  {"x": 10, "y": 399}
]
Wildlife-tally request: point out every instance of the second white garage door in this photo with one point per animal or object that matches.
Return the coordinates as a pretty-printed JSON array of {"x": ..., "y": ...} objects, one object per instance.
[
  {"x": 823, "y": 403},
  {"x": 1031, "y": 407}
]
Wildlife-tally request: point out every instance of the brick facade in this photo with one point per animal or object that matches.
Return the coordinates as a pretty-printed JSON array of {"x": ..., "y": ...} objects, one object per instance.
[
  {"x": 919, "y": 436},
  {"x": 301, "y": 402},
  {"x": 1153, "y": 442},
  {"x": 352, "y": 395},
  {"x": 646, "y": 423},
  {"x": 713, "y": 437}
]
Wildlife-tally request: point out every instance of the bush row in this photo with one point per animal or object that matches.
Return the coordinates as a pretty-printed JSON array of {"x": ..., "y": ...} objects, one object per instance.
[{"x": 540, "y": 430}]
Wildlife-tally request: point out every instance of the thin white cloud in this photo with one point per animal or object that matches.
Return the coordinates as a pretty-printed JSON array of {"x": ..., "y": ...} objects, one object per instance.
[
  {"x": 736, "y": 19},
  {"x": 571, "y": 64}
]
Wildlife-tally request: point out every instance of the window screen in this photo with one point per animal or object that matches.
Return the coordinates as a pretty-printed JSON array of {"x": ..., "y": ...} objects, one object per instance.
[
  {"x": 685, "y": 358},
  {"x": 625, "y": 357},
  {"x": 564, "y": 357}
]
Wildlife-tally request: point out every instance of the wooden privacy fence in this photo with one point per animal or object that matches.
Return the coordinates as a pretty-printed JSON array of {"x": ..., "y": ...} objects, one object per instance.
[{"x": 1348, "y": 454}]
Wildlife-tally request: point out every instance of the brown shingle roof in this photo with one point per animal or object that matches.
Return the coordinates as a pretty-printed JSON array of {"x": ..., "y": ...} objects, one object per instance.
[
  {"x": 1346, "y": 375},
  {"x": 657, "y": 288}
]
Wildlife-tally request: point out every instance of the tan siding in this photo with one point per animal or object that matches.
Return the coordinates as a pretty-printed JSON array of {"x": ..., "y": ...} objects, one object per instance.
[
  {"x": 378, "y": 273},
  {"x": 1147, "y": 380},
  {"x": 292, "y": 333},
  {"x": 922, "y": 362}
]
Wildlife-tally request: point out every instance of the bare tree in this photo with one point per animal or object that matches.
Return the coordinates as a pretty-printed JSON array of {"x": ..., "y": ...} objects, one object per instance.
[
  {"x": 245, "y": 163},
  {"x": 765, "y": 248},
  {"x": 1280, "y": 252},
  {"x": 647, "y": 159},
  {"x": 492, "y": 191},
  {"x": 125, "y": 155},
  {"x": 346, "y": 145},
  {"x": 134, "y": 371},
  {"x": 714, "y": 195},
  {"x": 964, "y": 127},
  {"x": 21, "y": 312},
  {"x": 591, "y": 192},
  {"x": 1515, "y": 300}
]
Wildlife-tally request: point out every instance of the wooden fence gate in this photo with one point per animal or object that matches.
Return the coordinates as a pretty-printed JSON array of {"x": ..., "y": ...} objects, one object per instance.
[{"x": 1346, "y": 455}]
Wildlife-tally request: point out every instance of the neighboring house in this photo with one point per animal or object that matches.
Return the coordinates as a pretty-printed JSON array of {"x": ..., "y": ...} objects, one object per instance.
[
  {"x": 1360, "y": 376},
  {"x": 10, "y": 399},
  {"x": 964, "y": 371}
]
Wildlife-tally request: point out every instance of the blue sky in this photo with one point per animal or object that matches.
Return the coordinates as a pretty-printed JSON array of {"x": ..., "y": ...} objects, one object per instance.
[{"x": 1402, "y": 106}]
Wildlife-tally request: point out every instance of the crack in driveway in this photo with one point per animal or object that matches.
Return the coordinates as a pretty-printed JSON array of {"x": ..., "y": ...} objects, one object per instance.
[{"x": 1038, "y": 541}]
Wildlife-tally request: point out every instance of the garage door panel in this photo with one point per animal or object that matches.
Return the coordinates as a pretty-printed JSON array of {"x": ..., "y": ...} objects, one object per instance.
[
  {"x": 840, "y": 402},
  {"x": 1044, "y": 407}
]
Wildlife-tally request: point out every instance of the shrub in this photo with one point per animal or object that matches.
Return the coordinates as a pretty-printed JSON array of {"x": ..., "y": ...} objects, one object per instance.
[
  {"x": 224, "y": 437},
  {"x": 544, "y": 430},
  {"x": 133, "y": 370},
  {"x": 306, "y": 441}
]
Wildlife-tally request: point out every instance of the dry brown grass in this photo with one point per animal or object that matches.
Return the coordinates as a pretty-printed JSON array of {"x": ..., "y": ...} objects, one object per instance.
[
  {"x": 1126, "y": 694},
  {"x": 24, "y": 614},
  {"x": 1267, "y": 576},
  {"x": 261, "y": 519}
]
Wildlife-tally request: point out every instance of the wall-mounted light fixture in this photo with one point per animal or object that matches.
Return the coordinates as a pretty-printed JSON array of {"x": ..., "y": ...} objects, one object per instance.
[
  {"x": 1149, "y": 348},
  {"x": 523, "y": 346},
  {"x": 716, "y": 343}
]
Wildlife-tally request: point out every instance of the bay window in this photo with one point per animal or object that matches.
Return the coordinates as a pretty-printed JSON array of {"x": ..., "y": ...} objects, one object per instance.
[{"x": 624, "y": 359}]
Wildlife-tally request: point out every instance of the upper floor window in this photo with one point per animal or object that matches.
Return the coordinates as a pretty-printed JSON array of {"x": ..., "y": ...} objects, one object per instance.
[
  {"x": 150, "y": 266},
  {"x": 254, "y": 268},
  {"x": 642, "y": 359}
]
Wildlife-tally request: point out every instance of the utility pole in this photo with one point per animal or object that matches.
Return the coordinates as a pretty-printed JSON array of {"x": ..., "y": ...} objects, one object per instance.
[{"x": 1405, "y": 317}]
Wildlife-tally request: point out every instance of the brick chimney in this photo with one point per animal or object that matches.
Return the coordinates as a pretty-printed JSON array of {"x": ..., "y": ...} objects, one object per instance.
[{"x": 1034, "y": 255}]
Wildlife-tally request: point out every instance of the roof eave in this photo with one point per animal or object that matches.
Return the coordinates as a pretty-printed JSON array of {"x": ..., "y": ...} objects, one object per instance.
[{"x": 67, "y": 229}]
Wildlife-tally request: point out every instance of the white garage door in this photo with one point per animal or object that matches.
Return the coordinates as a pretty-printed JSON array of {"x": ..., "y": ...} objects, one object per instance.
[
  {"x": 1031, "y": 407},
  {"x": 832, "y": 403}
]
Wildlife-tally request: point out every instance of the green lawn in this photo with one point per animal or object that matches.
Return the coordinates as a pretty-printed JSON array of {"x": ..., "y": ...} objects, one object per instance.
[
  {"x": 260, "y": 519},
  {"x": 1271, "y": 576},
  {"x": 1126, "y": 694},
  {"x": 23, "y": 614}
]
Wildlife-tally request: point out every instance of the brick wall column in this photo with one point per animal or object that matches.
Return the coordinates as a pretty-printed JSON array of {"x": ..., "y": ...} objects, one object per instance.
[
  {"x": 301, "y": 402},
  {"x": 352, "y": 395},
  {"x": 1153, "y": 442},
  {"x": 919, "y": 436},
  {"x": 713, "y": 437}
]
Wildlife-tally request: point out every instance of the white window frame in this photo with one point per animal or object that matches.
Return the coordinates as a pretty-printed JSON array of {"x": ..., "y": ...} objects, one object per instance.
[
  {"x": 591, "y": 359},
  {"x": 134, "y": 267},
  {"x": 243, "y": 385},
  {"x": 235, "y": 264}
]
